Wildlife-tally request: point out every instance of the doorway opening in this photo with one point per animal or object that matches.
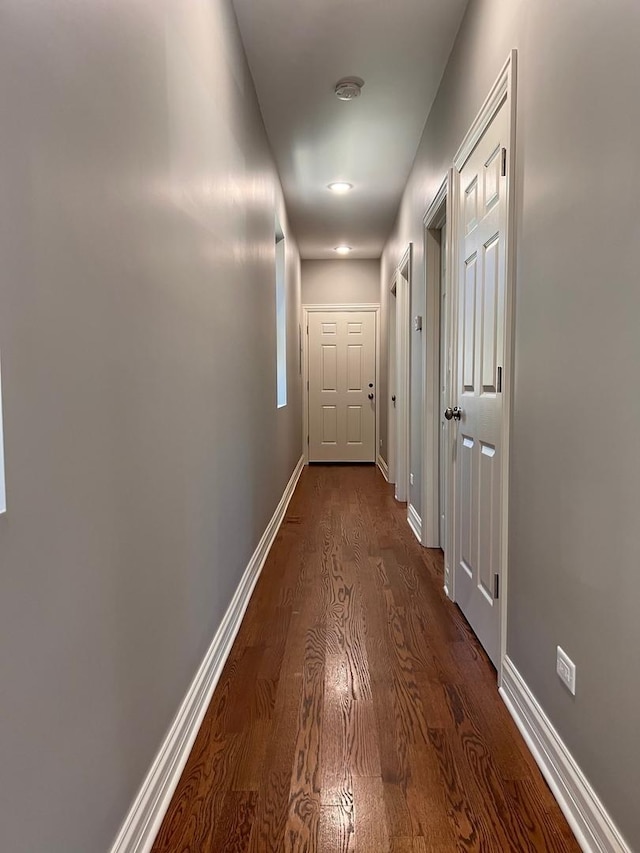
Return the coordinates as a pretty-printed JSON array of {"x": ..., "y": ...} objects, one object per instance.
[
  {"x": 399, "y": 378},
  {"x": 437, "y": 370}
]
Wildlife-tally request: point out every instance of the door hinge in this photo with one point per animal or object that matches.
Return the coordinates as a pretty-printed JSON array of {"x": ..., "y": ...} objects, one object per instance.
[
  {"x": 307, "y": 328},
  {"x": 496, "y": 586},
  {"x": 499, "y": 381},
  {"x": 307, "y": 439},
  {"x": 307, "y": 384},
  {"x": 503, "y": 171}
]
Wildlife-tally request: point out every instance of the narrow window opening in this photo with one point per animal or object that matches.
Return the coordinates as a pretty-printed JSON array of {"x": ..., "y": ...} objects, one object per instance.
[
  {"x": 281, "y": 319},
  {"x": 3, "y": 494}
]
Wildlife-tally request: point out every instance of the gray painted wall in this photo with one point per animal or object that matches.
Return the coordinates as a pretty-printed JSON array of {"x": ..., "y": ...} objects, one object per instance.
[
  {"x": 144, "y": 451},
  {"x": 574, "y": 536},
  {"x": 340, "y": 281}
]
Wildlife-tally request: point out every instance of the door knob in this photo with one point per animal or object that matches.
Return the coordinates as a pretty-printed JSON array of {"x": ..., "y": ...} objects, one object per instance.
[
  {"x": 393, "y": 398},
  {"x": 455, "y": 413},
  {"x": 370, "y": 396}
]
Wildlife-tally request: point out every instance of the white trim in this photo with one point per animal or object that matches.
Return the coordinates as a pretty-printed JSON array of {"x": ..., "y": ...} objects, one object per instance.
[
  {"x": 306, "y": 310},
  {"x": 487, "y": 111},
  {"x": 415, "y": 522},
  {"x": 503, "y": 91},
  {"x": 509, "y": 351},
  {"x": 452, "y": 236},
  {"x": 593, "y": 827},
  {"x": 403, "y": 381},
  {"x": 405, "y": 260},
  {"x": 384, "y": 468},
  {"x": 433, "y": 216},
  {"x": 351, "y": 306},
  {"x": 434, "y": 219},
  {"x": 392, "y": 377},
  {"x": 141, "y": 825}
]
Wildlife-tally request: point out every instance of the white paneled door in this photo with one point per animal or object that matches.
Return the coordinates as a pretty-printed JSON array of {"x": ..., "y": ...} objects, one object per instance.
[
  {"x": 481, "y": 279},
  {"x": 342, "y": 386}
]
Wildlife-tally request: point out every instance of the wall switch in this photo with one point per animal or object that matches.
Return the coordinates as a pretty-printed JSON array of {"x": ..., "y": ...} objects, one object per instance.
[
  {"x": 566, "y": 670},
  {"x": 3, "y": 494},
  {"x": 417, "y": 323},
  {"x": 411, "y": 479}
]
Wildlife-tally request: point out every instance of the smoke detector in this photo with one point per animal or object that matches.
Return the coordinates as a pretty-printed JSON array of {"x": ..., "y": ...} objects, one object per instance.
[{"x": 349, "y": 88}]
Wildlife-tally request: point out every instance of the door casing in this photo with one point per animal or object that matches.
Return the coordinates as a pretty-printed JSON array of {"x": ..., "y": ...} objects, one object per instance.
[
  {"x": 437, "y": 215},
  {"x": 392, "y": 346},
  {"x": 402, "y": 379},
  {"x": 306, "y": 310}
]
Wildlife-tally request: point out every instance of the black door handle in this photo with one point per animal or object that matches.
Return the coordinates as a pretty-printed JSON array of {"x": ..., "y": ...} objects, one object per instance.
[{"x": 370, "y": 396}]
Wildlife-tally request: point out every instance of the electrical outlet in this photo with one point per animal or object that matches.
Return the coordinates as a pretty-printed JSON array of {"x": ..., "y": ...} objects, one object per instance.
[
  {"x": 411, "y": 479},
  {"x": 566, "y": 670}
]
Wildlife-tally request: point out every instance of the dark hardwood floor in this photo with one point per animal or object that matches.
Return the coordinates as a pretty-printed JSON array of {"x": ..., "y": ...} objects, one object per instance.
[{"x": 357, "y": 711}]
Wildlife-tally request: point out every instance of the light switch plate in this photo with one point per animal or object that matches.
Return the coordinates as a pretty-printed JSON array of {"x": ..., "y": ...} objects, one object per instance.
[{"x": 566, "y": 670}]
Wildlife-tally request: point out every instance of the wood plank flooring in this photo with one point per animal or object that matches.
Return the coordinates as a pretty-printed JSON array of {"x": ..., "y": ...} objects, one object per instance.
[{"x": 357, "y": 711}]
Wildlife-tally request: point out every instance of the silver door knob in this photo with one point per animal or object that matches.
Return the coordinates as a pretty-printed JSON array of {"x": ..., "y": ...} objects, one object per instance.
[{"x": 455, "y": 413}]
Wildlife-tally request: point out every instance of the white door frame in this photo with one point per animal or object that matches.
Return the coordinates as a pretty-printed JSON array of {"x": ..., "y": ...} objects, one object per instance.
[
  {"x": 503, "y": 91},
  {"x": 392, "y": 354},
  {"x": 403, "y": 376},
  {"x": 306, "y": 310},
  {"x": 438, "y": 213}
]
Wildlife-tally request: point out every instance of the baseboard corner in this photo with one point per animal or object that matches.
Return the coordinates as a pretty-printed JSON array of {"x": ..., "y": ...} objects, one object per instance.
[
  {"x": 593, "y": 827},
  {"x": 415, "y": 522},
  {"x": 145, "y": 816},
  {"x": 384, "y": 468}
]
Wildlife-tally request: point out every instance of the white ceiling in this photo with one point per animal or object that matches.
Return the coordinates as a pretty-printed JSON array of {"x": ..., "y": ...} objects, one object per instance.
[{"x": 297, "y": 51}]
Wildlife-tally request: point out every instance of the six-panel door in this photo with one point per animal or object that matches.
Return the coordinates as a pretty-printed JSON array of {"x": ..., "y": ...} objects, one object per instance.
[
  {"x": 342, "y": 389},
  {"x": 481, "y": 318}
]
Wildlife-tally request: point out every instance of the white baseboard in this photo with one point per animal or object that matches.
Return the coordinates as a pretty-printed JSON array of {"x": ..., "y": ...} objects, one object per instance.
[
  {"x": 384, "y": 468},
  {"x": 448, "y": 590},
  {"x": 587, "y": 817},
  {"x": 148, "y": 810},
  {"x": 415, "y": 522}
]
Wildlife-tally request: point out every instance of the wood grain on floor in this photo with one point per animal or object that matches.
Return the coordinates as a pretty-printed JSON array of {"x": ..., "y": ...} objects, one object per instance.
[{"x": 357, "y": 711}]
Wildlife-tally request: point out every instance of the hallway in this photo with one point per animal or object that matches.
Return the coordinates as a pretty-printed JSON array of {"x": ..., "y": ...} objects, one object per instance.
[{"x": 356, "y": 710}]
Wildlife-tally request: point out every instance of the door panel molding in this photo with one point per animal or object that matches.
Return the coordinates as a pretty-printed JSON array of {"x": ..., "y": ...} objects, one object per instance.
[
  {"x": 503, "y": 93},
  {"x": 307, "y": 310}
]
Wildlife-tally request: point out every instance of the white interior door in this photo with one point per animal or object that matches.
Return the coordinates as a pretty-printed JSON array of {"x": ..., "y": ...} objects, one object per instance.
[
  {"x": 342, "y": 378},
  {"x": 481, "y": 279}
]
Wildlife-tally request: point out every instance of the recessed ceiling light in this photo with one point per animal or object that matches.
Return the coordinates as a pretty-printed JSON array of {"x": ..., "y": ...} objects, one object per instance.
[
  {"x": 340, "y": 187},
  {"x": 342, "y": 250}
]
